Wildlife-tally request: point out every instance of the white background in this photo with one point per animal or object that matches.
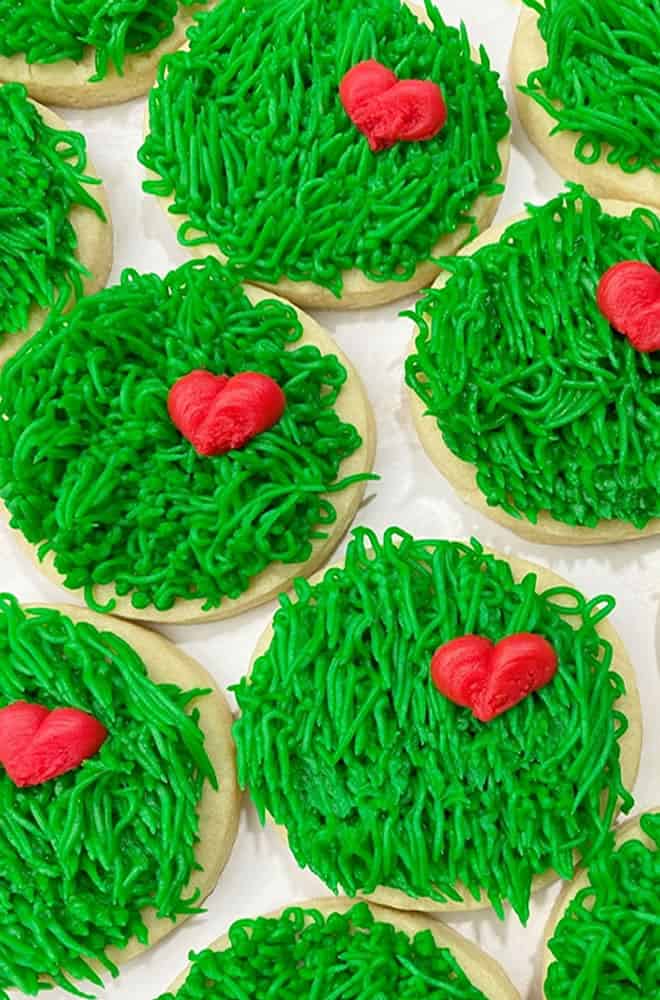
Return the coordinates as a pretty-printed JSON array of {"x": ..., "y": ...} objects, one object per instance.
[{"x": 261, "y": 875}]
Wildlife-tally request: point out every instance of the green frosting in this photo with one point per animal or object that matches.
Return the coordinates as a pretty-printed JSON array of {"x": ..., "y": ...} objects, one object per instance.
[
  {"x": 607, "y": 944},
  {"x": 382, "y": 781},
  {"x": 93, "y": 470},
  {"x": 42, "y": 177},
  {"x": 249, "y": 137},
  {"x": 83, "y": 855},
  {"x": 304, "y": 955},
  {"x": 602, "y": 78},
  {"x": 527, "y": 380},
  {"x": 48, "y": 31}
]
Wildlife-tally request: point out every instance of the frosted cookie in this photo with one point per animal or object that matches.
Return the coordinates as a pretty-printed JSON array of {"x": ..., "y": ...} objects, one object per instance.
[
  {"x": 602, "y": 937},
  {"x": 588, "y": 80},
  {"x": 437, "y": 728},
  {"x": 55, "y": 233},
  {"x": 199, "y": 445},
  {"x": 327, "y": 150},
  {"x": 84, "y": 55},
  {"x": 118, "y": 790},
  {"x": 535, "y": 372},
  {"x": 339, "y": 948}
]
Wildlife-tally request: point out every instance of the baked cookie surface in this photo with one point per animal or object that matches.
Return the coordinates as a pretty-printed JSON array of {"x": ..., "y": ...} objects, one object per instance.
[
  {"x": 602, "y": 937},
  {"x": 333, "y": 947},
  {"x": 120, "y": 503},
  {"x": 102, "y": 861},
  {"x": 257, "y": 160},
  {"x": 536, "y": 409},
  {"x": 386, "y": 787},
  {"x": 93, "y": 53},
  {"x": 55, "y": 234},
  {"x": 574, "y": 65}
]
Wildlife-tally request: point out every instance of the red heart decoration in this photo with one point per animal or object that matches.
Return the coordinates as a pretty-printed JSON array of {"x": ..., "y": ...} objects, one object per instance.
[
  {"x": 629, "y": 298},
  {"x": 389, "y": 110},
  {"x": 490, "y": 679},
  {"x": 217, "y": 413},
  {"x": 37, "y": 745}
]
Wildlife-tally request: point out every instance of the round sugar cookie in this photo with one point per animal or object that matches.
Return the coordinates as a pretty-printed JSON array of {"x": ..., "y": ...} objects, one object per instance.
[
  {"x": 510, "y": 343},
  {"x": 595, "y": 48},
  {"x": 141, "y": 35},
  {"x": 349, "y": 762},
  {"x": 160, "y": 532},
  {"x": 610, "y": 909},
  {"x": 129, "y": 842},
  {"x": 366, "y": 930},
  {"x": 312, "y": 212},
  {"x": 37, "y": 250}
]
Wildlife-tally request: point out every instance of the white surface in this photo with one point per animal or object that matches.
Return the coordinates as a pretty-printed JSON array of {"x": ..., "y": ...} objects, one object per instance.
[{"x": 261, "y": 874}]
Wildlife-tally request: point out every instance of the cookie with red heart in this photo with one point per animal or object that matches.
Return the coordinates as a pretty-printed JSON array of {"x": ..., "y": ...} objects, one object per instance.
[
  {"x": 539, "y": 417},
  {"x": 330, "y": 163},
  {"x": 437, "y": 727},
  {"x": 120, "y": 800},
  {"x": 218, "y": 445}
]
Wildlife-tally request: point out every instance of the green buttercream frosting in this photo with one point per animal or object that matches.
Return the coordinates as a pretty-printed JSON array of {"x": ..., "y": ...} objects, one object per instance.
[
  {"x": 304, "y": 955},
  {"x": 48, "y": 31},
  {"x": 528, "y": 381},
  {"x": 83, "y": 855},
  {"x": 607, "y": 944},
  {"x": 249, "y": 137},
  {"x": 42, "y": 177},
  {"x": 380, "y": 780},
  {"x": 602, "y": 78},
  {"x": 93, "y": 470}
]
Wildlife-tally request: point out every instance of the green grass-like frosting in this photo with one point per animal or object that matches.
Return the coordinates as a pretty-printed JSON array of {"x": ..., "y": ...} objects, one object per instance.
[
  {"x": 248, "y": 134},
  {"x": 602, "y": 78},
  {"x": 42, "y": 177},
  {"x": 93, "y": 470},
  {"x": 607, "y": 944},
  {"x": 304, "y": 955},
  {"x": 528, "y": 381},
  {"x": 81, "y": 856},
  {"x": 49, "y": 31},
  {"x": 380, "y": 780}
]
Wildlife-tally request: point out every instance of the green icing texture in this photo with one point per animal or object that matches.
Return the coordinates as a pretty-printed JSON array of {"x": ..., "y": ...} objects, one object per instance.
[
  {"x": 379, "y": 779},
  {"x": 93, "y": 469},
  {"x": 607, "y": 944},
  {"x": 602, "y": 77},
  {"x": 304, "y": 955},
  {"x": 48, "y": 31},
  {"x": 249, "y": 137},
  {"x": 42, "y": 177},
  {"x": 527, "y": 380},
  {"x": 82, "y": 856}
]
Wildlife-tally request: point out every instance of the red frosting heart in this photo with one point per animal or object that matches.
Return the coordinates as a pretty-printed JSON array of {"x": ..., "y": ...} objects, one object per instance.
[
  {"x": 490, "y": 679},
  {"x": 629, "y": 298},
  {"x": 37, "y": 745},
  {"x": 217, "y": 413},
  {"x": 389, "y": 110}
]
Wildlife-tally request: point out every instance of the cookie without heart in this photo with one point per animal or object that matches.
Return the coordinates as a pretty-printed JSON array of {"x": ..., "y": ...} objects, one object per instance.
[{"x": 386, "y": 788}]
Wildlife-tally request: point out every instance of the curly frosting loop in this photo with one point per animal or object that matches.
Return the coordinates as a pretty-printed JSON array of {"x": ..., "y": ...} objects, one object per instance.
[
  {"x": 602, "y": 78},
  {"x": 93, "y": 470},
  {"x": 607, "y": 944},
  {"x": 38, "y": 265},
  {"x": 379, "y": 779},
  {"x": 304, "y": 955},
  {"x": 83, "y": 855},
  {"x": 525, "y": 377},
  {"x": 248, "y": 135},
  {"x": 48, "y": 31}
]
